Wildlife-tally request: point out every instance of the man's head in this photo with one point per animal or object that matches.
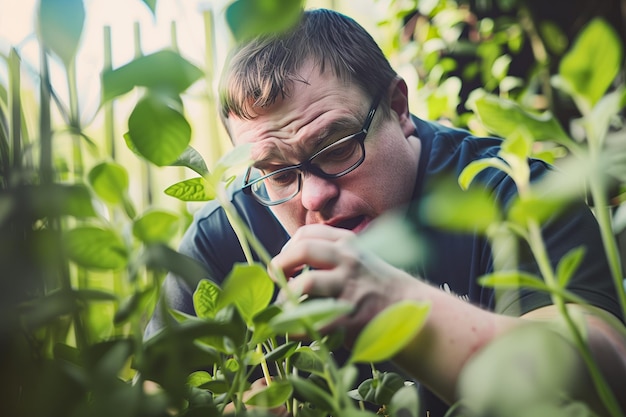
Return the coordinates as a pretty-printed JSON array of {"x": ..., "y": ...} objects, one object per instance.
[
  {"x": 322, "y": 97},
  {"x": 264, "y": 69}
]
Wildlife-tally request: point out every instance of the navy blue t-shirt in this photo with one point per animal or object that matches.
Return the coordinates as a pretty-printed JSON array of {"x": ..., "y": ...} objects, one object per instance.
[{"x": 454, "y": 261}]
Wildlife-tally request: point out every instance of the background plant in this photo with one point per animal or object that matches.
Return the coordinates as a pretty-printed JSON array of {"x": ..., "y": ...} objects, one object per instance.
[{"x": 83, "y": 259}]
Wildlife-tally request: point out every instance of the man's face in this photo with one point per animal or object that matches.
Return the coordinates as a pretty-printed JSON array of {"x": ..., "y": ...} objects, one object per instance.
[{"x": 314, "y": 115}]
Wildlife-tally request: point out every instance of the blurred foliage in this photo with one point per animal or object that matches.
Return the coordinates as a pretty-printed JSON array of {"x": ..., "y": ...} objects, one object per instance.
[{"x": 83, "y": 260}]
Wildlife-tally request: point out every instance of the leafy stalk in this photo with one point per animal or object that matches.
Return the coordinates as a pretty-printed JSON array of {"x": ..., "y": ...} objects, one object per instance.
[{"x": 538, "y": 248}]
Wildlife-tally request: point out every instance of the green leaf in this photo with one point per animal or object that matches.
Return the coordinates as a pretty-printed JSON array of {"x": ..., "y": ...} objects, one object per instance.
[
  {"x": 476, "y": 167},
  {"x": 250, "y": 18},
  {"x": 205, "y": 299},
  {"x": 196, "y": 379},
  {"x": 387, "y": 385},
  {"x": 48, "y": 308},
  {"x": 568, "y": 265},
  {"x": 158, "y": 130},
  {"x": 193, "y": 189},
  {"x": 235, "y": 160},
  {"x": 389, "y": 331},
  {"x": 156, "y": 226},
  {"x": 405, "y": 402},
  {"x": 192, "y": 159},
  {"x": 506, "y": 118},
  {"x": 594, "y": 61},
  {"x": 525, "y": 368},
  {"x": 281, "y": 352},
  {"x": 53, "y": 200},
  {"x": 135, "y": 303},
  {"x": 161, "y": 257},
  {"x": 307, "y": 390},
  {"x": 60, "y": 25},
  {"x": 534, "y": 207},
  {"x": 449, "y": 207},
  {"x": 272, "y": 396},
  {"x": 110, "y": 181},
  {"x": 151, "y": 5},
  {"x": 603, "y": 114},
  {"x": 93, "y": 247},
  {"x": 394, "y": 239},
  {"x": 249, "y": 287},
  {"x": 174, "y": 75},
  {"x": 308, "y": 360},
  {"x": 316, "y": 313},
  {"x": 512, "y": 279}
]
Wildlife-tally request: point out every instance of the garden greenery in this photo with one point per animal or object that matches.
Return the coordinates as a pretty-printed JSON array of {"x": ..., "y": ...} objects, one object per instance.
[{"x": 82, "y": 264}]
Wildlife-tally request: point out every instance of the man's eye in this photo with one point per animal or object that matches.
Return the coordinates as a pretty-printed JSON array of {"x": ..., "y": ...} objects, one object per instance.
[
  {"x": 340, "y": 152},
  {"x": 282, "y": 179}
]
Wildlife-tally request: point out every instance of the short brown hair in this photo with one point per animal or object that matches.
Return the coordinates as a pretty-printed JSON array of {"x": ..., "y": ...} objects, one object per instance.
[{"x": 261, "y": 70}]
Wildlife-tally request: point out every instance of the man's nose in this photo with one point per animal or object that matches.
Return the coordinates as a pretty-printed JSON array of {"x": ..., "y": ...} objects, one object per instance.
[{"x": 317, "y": 192}]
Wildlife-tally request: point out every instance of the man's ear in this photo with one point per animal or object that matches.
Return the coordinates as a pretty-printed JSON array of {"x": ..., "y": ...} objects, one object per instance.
[{"x": 399, "y": 104}]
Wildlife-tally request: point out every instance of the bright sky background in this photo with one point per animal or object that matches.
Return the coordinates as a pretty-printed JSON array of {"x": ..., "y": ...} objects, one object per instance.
[{"x": 17, "y": 29}]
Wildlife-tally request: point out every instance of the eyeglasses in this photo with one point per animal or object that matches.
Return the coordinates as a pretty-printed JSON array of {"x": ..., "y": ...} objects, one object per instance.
[{"x": 333, "y": 161}]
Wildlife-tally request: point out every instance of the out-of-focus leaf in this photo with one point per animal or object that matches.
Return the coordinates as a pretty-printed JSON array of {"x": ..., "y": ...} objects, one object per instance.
[
  {"x": 603, "y": 113},
  {"x": 449, "y": 207},
  {"x": 315, "y": 313},
  {"x": 133, "y": 304},
  {"x": 405, "y": 402},
  {"x": 392, "y": 238},
  {"x": 156, "y": 226},
  {"x": 151, "y": 5},
  {"x": 60, "y": 25},
  {"x": 193, "y": 189},
  {"x": 164, "y": 70},
  {"x": 307, "y": 390},
  {"x": 158, "y": 129},
  {"x": 192, "y": 159},
  {"x": 46, "y": 309},
  {"x": 52, "y": 200},
  {"x": 592, "y": 64},
  {"x": 389, "y": 331},
  {"x": 538, "y": 208},
  {"x": 110, "y": 181},
  {"x": 308, "y": 360},
  {"x": 249, "y": 18},
  {"x": 528, "y": 366},
  {"x": 476, "y": 167},
  {"x": 568, "y": 265},
  {"x": 281, "y": 352},
  {"x": 513, "y": 279},
  {"x": 161, "y": 257},
  {"x": 249, "y": 287},
  {"x": 506, "y": 118},
  {"x": 272, "y": 396},
  {"x": 93, "y": 247}
]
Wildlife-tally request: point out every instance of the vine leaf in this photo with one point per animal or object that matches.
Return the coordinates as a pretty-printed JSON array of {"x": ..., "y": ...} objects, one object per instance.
[{"x": 390, "y": 331}]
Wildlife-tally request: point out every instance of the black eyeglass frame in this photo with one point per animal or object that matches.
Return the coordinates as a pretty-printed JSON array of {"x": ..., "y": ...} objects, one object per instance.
[{"x": 307, "y": 166}]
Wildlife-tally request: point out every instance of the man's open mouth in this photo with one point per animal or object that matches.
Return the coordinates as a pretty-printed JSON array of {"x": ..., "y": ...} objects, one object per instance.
[{"x": 351, "y": 223}]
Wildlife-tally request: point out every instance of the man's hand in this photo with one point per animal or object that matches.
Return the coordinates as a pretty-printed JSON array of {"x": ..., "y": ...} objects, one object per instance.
[{"x": 339, "y": 270}]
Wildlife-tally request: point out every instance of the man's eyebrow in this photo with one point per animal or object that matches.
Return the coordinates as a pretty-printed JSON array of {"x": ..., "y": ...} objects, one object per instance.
[
  {"x": 333, "y": 131},
  {"x": 341, "y": 127}
]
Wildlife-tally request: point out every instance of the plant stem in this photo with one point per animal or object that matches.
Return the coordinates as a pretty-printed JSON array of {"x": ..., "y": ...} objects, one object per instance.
[
  {"x": 15, "y": 109},
  {"x": 610, "y": 246},
  {"x": 109, "y": 116},
  {"x": 602, "y": 388}
]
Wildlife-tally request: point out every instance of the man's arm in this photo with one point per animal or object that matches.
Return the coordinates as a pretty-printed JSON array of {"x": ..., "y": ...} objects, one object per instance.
[{"x": 455, "y": 332}]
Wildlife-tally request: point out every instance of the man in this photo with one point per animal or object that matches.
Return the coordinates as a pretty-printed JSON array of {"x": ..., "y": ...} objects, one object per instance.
[{"x": 335, "y": 147}]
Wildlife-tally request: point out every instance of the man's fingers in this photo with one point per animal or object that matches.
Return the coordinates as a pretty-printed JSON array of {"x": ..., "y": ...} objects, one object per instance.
[{"x": 314, "y": 253}]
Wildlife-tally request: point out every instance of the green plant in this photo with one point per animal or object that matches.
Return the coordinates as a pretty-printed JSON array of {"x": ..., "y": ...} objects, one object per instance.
[{"x": 83, "y": 263}]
